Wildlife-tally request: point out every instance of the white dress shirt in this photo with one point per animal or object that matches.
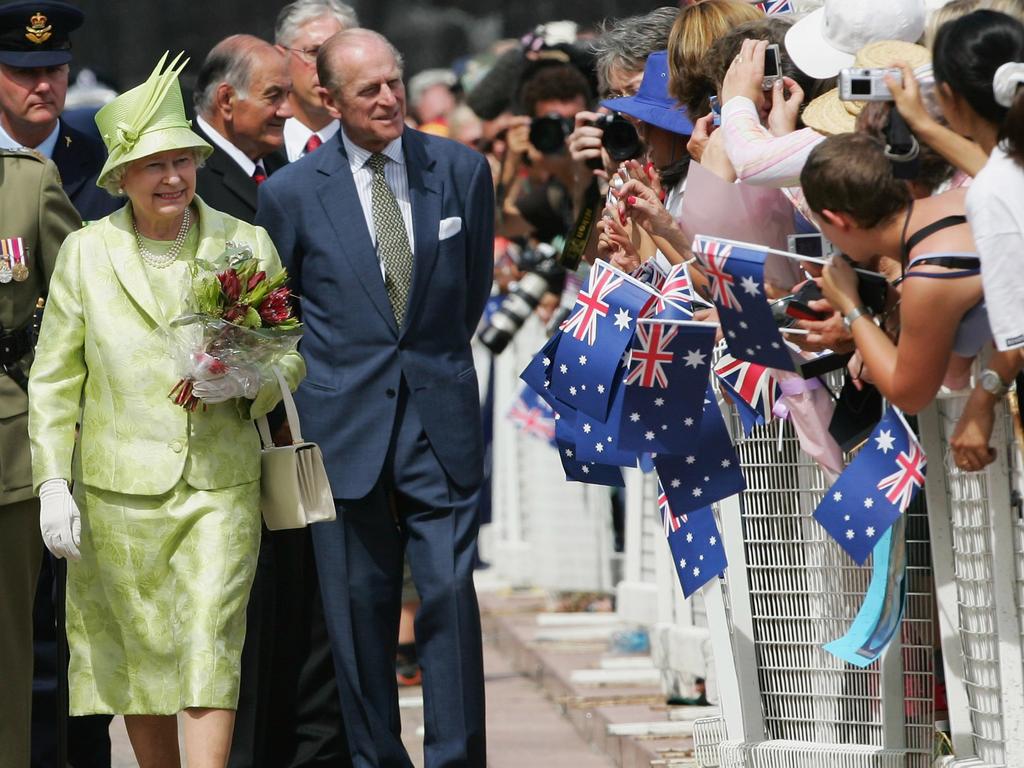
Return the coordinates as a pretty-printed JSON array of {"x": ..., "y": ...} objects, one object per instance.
[
  {"x": 394, "y": 173},
  {"x": 243, "y": 161},
  {"x": 296, "y": 134},
  {"x": 45, "y": 149}
]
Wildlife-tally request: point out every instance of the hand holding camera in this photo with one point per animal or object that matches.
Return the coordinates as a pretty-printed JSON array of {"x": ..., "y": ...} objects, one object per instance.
[
  {"x": 906, "y": 93},
  {"x": 756, "y": 69},
  {"x": 869, "y": 84},
  {"x": 585, "y": 142}
]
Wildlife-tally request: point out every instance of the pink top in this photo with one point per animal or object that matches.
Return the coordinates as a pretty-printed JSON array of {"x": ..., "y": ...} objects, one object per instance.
[{"x": 759, "y": 157}]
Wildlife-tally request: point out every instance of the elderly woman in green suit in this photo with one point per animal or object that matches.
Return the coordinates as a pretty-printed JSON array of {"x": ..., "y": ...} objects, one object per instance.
[{"x": 163, "y": 527}]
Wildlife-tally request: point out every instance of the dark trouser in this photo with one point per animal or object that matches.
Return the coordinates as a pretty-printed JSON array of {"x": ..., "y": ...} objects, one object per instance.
[
  {"x": 414, "y": 510},
  {"x": 288, "y": 715}
]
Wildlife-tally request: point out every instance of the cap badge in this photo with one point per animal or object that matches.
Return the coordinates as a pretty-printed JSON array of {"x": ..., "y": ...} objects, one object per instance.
[{"x": 40, "y": 31}]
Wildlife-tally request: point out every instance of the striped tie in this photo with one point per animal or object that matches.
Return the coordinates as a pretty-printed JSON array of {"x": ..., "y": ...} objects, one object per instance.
[{"x": 392, "y": 239}]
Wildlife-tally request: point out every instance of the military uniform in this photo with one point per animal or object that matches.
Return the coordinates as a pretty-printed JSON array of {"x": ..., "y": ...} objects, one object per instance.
[{"x": 37, "y": 216}]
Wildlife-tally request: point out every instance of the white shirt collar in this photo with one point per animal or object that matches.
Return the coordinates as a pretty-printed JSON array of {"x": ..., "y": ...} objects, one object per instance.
[
  {"x": 243, "y": 161},
  {"x": 45, "y": 149},
  {"x": 357, "y": 156},
  {"x": 297, "y": 133}
]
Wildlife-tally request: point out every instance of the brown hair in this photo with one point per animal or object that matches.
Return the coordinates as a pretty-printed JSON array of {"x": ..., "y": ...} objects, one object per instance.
[
  {"x": 850, "y": 174},
  {"x": 695, "y": 29},
  {"x": 932, "y": 168}
]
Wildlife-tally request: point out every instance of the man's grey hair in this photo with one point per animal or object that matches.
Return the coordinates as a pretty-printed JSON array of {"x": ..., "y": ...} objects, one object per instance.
[
  {"x": 296, "y": 14},
  {"x": 626, "y": 43},
  {"x": 326, "y": 71},
  {"x": 230, "y": 61}
]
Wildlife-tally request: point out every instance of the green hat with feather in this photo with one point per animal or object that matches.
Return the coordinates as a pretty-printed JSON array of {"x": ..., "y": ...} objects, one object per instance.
[{"x": 148, "y": 119}]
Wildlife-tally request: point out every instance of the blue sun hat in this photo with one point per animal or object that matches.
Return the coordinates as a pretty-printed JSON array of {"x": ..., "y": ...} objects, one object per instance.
[{"x": 652, "y": 103}]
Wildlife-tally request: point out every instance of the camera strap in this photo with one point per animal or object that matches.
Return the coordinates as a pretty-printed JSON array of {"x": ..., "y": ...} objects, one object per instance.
[{"x": 576, "y": 242}]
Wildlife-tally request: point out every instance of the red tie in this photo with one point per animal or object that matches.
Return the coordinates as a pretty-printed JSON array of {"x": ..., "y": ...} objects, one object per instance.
[
  {"x": 259, "y": 175},
  {"x": 313, "y": 143}
]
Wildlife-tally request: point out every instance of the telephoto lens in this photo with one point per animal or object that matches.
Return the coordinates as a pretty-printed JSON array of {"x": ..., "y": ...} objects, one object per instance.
[
  {"x": 542, "y": 275},
  {"x": 548, "y": 133},
  {"x": 620, "y": 138}
]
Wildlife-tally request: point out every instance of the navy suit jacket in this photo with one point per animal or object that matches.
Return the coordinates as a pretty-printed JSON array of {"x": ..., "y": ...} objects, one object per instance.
[
  {"x": 79, "y": 158},
  {"x": 225, "y": 187},
  {"x": 356, "y": 356}
]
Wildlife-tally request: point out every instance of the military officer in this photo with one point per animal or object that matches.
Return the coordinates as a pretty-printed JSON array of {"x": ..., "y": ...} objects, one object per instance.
[
  {"x": 37, "y": 216},
  {"x": 35, "y": 51}
]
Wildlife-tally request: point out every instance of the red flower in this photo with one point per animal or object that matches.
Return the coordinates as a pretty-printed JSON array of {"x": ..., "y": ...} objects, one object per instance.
[
  {"x": 256, "y": 279},
  {"x": 276, "y": 308},
  {"x": 237, "y": 312},
  {"x": 230, "y": 284}
]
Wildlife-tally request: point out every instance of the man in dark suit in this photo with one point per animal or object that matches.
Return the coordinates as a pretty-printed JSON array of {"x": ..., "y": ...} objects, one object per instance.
[
  {"x": 241, "y": 102},
  {"x": 388, "y": 236}
]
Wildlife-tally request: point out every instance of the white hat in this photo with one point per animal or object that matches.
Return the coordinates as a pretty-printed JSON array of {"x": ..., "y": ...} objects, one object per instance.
[{"x": 826, "y": 40}]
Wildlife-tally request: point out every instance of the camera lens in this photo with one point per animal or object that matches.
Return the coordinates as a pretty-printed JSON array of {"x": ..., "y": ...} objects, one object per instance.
[
  {"x": 620, "y": 138},
  {"x": 512, "y": 313},
  {"x": 548, "y": 133}
]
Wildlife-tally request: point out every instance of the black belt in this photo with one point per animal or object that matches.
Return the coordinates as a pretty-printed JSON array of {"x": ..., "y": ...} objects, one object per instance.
[{"x": 14, "y": 346}]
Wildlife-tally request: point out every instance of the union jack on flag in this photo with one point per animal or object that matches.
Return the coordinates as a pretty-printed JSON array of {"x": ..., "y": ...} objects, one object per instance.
[
  {"x": 773, "y": 7},
  {"x": 715, "y": 254},
  {"x": 591, "y": 305},
  {"x": 649, "y": 358},
  {"x": 671, "y": 522},
  {"x": 752, "y": 387},
  {"x": 902, "y": 484},
  {"x": 674, "y": 300},
  {"x": 532, "y": 416},
  {"x": 869, "y": 496}
]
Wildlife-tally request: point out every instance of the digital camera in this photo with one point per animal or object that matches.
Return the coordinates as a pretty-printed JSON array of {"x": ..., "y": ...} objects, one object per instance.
[{"x": 857, "y": 84}]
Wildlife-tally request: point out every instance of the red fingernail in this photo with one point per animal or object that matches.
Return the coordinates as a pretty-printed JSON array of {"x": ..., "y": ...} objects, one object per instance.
[{"x": 631, "y": 199}]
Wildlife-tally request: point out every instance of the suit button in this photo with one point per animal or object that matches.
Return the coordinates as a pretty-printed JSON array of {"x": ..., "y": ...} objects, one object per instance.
[
  {"x": 176, "y": 446},
  {"x": 390, "y": 392}
]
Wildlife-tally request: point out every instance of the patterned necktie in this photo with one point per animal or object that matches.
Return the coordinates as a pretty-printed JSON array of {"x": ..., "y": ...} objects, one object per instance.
[
  {"x": 259, "y": 175},
  {"x": 392, "y": 238},
  {"x": 313, "y": 143}
]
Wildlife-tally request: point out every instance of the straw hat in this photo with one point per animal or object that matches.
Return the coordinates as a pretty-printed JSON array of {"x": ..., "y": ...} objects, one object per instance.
[
  {"x": 830, "y": 115},
  {"x": 149, "y": 118}
]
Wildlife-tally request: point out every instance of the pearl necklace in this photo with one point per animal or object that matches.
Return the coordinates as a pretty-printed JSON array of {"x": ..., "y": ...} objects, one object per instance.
[{"x": 161, "y": 261}]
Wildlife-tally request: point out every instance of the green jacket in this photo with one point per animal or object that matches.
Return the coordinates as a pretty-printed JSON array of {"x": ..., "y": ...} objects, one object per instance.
[
  {"x": 33, "y": 206},
  {"x": 105, "y": 345}
]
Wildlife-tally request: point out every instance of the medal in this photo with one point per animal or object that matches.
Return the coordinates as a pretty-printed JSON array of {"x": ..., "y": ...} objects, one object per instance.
[
  {"x": 17, "y": 257},
  {"x": 6, "y": 246}
]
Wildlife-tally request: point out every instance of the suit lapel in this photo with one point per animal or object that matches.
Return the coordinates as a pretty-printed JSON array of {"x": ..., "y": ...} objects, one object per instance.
[
  {"x": 340, "y": 201},
  {"x": 72, "y": 161},
  {"x": 123, "y": 252},
  {"x": 425, "y": 194},
  {"x": 234, "y": 179}
]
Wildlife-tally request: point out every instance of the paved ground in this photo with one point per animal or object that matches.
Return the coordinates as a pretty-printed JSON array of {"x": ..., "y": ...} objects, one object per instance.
[{"x": 524, "y": 727}]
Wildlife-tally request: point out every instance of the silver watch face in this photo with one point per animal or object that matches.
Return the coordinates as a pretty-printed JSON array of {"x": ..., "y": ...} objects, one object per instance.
[{"x": 991, "y": 383}]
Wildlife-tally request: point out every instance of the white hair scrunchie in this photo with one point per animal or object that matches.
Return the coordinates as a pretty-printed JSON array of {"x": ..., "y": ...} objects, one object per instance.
[{"x": 1008, "y": 78}]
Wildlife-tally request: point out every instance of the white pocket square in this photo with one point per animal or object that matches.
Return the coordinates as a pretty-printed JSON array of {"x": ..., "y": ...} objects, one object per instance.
[{"x": 449, "y": 228}]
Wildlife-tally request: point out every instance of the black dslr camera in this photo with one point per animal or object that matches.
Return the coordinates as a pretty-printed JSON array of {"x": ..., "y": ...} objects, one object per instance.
[{"x": 619, "y": 137}]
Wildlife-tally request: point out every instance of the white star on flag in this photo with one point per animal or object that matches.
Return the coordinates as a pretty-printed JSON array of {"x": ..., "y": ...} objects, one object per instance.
[
  {"x": 568, "y": 453},
  {"x": 694, "y": 358},
  {"x": 572, "y": 390},
  {"x": 659, "y": 401},
  {"x": 726, "y": 463},
  {"x": 732, "y": 334},
  {"x": 547, "y": 361},
  {"x": 750, "y": 286},
  {"x": 600, "y": 389},
  {"x": 682, "y": 563},
  {"x": 648, "y": 435},
  {"x": 622, "y": 319},
  {"x": 837, "y": 496},
  {"x": 586, "y": 470},
  {"x": 743, "y": 325},
  {"x": 688, "y": 421},
  {"x": 563, "y": 368},
  {"x": 849, "y": 533},
  {"x": 586, "y": 429},
  {"x": 634, "y": 417},
  {"x": 870, "y": 531},
  {"x": 713, "y": 540},
  {"x": 691, "y": 459},
  {"x": 583, "y": 359},
  {"x": 689, "y": 537},
  {"x": 676, "y": 482},
  {"x": 696, "y": 571},
  {"x": 869, "y": 503},
  {"x": 697, "y": 492},
  {"x": 885, "y": 441},
  {"x": 599, "y": 447}
]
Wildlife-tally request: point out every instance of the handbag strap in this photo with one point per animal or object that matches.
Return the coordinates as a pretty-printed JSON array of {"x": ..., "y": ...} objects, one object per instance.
[{"x": 290, "y": 410}]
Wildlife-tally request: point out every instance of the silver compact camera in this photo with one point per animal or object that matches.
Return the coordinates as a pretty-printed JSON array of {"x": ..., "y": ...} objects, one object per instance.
[
  {"x": 772, "y": 67},
  {"x": 856, "y": 84}
]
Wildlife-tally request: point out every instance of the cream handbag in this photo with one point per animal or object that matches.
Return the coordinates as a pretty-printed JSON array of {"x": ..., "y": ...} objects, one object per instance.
[{"x": 294, "y": 490}]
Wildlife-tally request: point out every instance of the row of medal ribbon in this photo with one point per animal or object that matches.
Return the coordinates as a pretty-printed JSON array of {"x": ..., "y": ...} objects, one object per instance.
[{"x": 13, "y": 259}]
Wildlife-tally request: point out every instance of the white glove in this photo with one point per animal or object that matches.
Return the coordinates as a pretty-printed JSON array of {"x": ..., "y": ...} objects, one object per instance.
[
  {"x": 59, "y": 519},
  {"x": 230, "y": 385}
]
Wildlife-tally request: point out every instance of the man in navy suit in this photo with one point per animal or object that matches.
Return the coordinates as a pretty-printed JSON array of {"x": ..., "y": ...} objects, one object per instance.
[{"x": 388, "y": 236}]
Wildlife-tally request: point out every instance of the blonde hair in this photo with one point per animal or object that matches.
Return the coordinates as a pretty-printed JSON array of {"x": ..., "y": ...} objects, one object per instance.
[
  {"x": 957, "y": 8},
  {"x": 695, "y": 29}
]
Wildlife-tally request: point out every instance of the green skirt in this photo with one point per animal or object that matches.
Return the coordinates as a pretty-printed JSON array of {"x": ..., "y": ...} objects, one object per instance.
[{"x": 156, "y": 606}]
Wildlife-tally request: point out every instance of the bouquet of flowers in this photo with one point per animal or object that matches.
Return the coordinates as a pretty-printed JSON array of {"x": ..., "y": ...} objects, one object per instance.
[{"x": 241, "y": 323}]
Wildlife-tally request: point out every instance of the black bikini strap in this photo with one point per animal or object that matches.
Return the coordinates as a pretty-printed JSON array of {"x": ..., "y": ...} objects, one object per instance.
[
  {"x": 969, "y": 263},
  {"x": 927, "y": 231}
]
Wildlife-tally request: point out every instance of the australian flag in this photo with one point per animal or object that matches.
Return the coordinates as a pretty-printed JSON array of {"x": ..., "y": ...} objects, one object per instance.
[
  {"x": 537, "y": 373},
  {"x": 752, "y": 388},
  {"x": 581, "y": 471},
  {"x": 650, "y": 273},
  {"x": 532, "y": 416},
  {"x": 598, "y": 440},
  {"x": 773, "y": 7},
  {"x": 674, "y": 300},
  {"x": 736, "y": 274},
  {"x": 594, "y": 338},
  {"x": 709, "y": 471},
  {"x": 665, "y": 385},
  {"x": 875, "y": 489},
  {"x": 697, "y": 549}
]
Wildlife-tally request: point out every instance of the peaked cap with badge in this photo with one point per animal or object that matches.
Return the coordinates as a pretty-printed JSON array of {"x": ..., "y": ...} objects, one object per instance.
[{"x": 37, "y": 34}]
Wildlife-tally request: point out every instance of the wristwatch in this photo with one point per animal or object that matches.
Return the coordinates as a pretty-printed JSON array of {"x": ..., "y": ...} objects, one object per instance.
[
  {"x": 992, "y": 383},
  {"x": 848, "y": 320}
]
